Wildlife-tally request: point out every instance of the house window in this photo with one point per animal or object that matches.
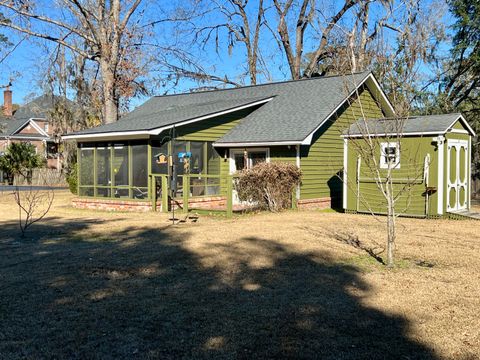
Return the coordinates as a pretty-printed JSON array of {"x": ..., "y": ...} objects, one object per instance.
[
  {"x": 390, "y": 156},
  {"x": 46, "y": 127},
  {"x": 245, "y": 159}
]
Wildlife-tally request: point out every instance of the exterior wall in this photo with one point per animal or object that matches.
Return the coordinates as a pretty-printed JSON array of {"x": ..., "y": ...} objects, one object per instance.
[
  {"x": 407, "y": 179},
  {"x": 322, "y": 162}
]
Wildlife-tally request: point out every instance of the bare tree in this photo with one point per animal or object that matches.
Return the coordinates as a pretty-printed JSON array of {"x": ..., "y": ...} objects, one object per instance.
[
  {"x": 33, "y": 203},
  {"x": 379, "y": 147},
  {"x": 96, "y": 30}
]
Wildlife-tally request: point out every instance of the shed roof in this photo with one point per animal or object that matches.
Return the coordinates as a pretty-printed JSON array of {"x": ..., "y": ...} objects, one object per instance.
[
  {"x": 291, "y": 110},
  {"x": 414, "y": 125}
]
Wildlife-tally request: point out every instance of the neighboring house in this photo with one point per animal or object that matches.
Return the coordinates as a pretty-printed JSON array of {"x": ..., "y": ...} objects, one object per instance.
[
  {"x": 429, "y": 161},
  {"x": 29, "y": 123},
  {"x": 221, "y": 132}
]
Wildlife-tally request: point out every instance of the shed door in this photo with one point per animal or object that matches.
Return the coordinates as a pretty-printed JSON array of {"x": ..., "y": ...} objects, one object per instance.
[{"x": 457, "y": 172}]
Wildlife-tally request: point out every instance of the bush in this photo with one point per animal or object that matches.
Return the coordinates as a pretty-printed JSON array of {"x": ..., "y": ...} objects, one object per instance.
[
  {"x": 72, "y": 179},
  {"x": 270, "y": 185},
  {"x": 19, "y": 160}
]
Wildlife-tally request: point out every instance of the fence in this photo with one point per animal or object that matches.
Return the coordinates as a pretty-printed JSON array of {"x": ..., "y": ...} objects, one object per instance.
[
  {"x": 41, "y": 177},
  {"x": 200, "y": 192}
]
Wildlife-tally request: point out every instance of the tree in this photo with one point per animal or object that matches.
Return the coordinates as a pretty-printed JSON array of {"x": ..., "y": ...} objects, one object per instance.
[
  {"x": 379, "y": 152},
  {"x": 96, "y": 30},
  {"x": 33, "y": 205},
  {"x": 19, "y": 160},
  {"x": 459, "y": 88}
]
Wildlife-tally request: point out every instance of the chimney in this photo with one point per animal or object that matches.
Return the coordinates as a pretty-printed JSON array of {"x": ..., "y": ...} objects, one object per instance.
[{"x": 7, "y": 102}]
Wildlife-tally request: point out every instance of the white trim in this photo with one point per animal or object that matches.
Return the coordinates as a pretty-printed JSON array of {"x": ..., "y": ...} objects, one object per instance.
[
  {"x": 308, "y": 139},
  {"x": 388, "y": 165},
  {"x": 441, "y": 174},
  {"x": 159, "y": 130},
  {"x": 464, "y": 122},
  {"x": 395, "y": 134},
  {"x": 458, "y": 183},
  {"x": 23, "y": 137},
  {"x": 37, "y": 127},
  {"x": 345, "y": 178},
  {"x": 469, "y": 173},
  {"x": 458, "y": 131},
  {"x": 298, "y": 163},
  {"x": 248, "y": 144},
  {"x": 232, "y": 152}
]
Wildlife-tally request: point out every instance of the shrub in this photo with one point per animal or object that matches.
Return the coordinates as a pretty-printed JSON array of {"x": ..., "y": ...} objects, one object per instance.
[
  {"x": 72, "y": 179},
  {"x": 20, "y": 159},
  {"x": 270, "y": 185}
]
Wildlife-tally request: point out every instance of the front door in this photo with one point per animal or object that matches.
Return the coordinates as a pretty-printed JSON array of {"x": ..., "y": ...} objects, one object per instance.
[{"x": 457, "y": 172}]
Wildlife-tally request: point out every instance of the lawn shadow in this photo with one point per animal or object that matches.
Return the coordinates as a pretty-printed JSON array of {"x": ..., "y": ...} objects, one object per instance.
[{"x": 147, "y": 294}]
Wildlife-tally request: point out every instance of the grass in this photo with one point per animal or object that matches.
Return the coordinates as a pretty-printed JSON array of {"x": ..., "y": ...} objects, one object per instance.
[{"x": 87, "y": 284}]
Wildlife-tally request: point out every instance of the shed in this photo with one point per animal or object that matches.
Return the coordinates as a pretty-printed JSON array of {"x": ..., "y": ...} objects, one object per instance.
[{"x": 427, "y": 158}]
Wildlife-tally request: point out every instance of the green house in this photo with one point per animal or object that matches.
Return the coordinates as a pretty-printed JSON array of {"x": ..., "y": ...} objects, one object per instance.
[
  {"x": 210, "y": 135},
  {"x": 427, "y": 159}
]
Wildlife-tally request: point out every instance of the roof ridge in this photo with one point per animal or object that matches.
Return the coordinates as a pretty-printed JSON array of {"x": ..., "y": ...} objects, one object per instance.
[{"x": 263, "y": 84}]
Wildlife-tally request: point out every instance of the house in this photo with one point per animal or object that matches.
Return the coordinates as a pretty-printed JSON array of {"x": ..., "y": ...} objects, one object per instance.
[
  {"x": 428, "y": 158},
  {"x": 122, "y": 164},
  {"x": 30, "y": 123},
  {"x": 210, "y": 135}
]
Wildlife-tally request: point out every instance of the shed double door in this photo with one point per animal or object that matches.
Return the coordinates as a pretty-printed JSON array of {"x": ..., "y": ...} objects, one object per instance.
[{"x": 457, "y": 175}]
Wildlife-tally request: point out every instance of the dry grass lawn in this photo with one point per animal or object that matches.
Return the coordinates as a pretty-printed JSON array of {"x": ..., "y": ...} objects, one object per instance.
[{"x": 119, "y": 285}]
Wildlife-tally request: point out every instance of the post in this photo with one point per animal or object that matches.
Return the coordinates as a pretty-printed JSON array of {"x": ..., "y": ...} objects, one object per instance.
[
  {"x": 152, "y": 187},
  {"x": 78, "y": 170},
  {"x": 294, "y": 199},
  {"x": 186, "y": 192},
  {"x": 164, "y": 194},
  {"x": 149, "y": 171},
  {"x": 229, "y": 196}
]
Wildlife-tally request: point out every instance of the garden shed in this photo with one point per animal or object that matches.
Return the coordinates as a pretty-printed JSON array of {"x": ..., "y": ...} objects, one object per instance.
[{"x": 428, "y": 159}]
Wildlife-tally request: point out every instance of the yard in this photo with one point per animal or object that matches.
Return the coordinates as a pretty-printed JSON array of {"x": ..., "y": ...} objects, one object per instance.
[{"x": 119, "y": 285}]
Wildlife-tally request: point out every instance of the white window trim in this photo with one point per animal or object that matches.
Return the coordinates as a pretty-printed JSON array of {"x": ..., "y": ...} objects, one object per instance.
[
  {"x": 383, "y": 163},
  {"x": 232, "y": 153}
]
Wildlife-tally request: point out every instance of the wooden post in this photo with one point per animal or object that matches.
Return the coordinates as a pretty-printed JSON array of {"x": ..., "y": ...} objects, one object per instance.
[
  {"x": 79, "y": 160},
  {"x": 294, "y": 199},
  {"x": 164, "y": 194},
  {"x": 186, "y": 192},
  {"x": 149, "y": 171},
  {"x": 152, "y": 185},
  {"x": 229, "y": 196}
]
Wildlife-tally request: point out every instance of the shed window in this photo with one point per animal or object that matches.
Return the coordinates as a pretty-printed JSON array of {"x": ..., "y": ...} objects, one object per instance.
[{"x": 390, "y": 156}]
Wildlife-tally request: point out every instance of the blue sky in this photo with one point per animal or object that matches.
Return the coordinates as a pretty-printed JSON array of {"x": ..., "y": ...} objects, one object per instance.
[{"x": 25, "y": 64}]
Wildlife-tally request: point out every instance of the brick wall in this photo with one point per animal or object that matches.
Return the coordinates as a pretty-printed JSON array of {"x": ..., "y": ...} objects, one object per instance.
[
  {"x": 318, "y": 203},
  {"x": 212, "y": 203}
]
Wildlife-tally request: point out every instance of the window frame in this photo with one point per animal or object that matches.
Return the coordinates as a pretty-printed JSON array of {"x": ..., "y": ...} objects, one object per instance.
[
  {"x": 388, "y": 164},
  {"x": 249, "y": 161}
]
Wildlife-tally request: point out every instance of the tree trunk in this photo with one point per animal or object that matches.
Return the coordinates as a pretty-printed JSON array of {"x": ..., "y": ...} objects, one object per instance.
[
  {"x": 391, "y": 232},
  {"x": 110, "y": 98}
]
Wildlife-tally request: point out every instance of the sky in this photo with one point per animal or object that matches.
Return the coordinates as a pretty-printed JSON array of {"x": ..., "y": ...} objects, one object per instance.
[{"x": 24, "y": 65}]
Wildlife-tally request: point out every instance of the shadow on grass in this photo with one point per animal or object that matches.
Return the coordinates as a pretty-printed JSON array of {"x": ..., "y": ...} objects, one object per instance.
[{"x": 146, "y": 295}]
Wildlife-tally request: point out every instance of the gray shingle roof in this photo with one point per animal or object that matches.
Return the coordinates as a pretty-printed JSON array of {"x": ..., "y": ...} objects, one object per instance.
[
  {"x": 9, "y": 126},
  {"x": 435, "y": 124},
  {"x": 38, "y": 108},
  {"x": 157, "y": 112},
  {"x": 297, "y": 108}
]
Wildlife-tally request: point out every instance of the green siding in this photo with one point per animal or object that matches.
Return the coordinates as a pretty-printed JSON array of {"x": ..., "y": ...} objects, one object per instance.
[
  {"x": 413, "y": 152},
  {"x": 407, "y": 180},
  {"x": 322, "y": 162},
  {"x": 283, "y": 154}
]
